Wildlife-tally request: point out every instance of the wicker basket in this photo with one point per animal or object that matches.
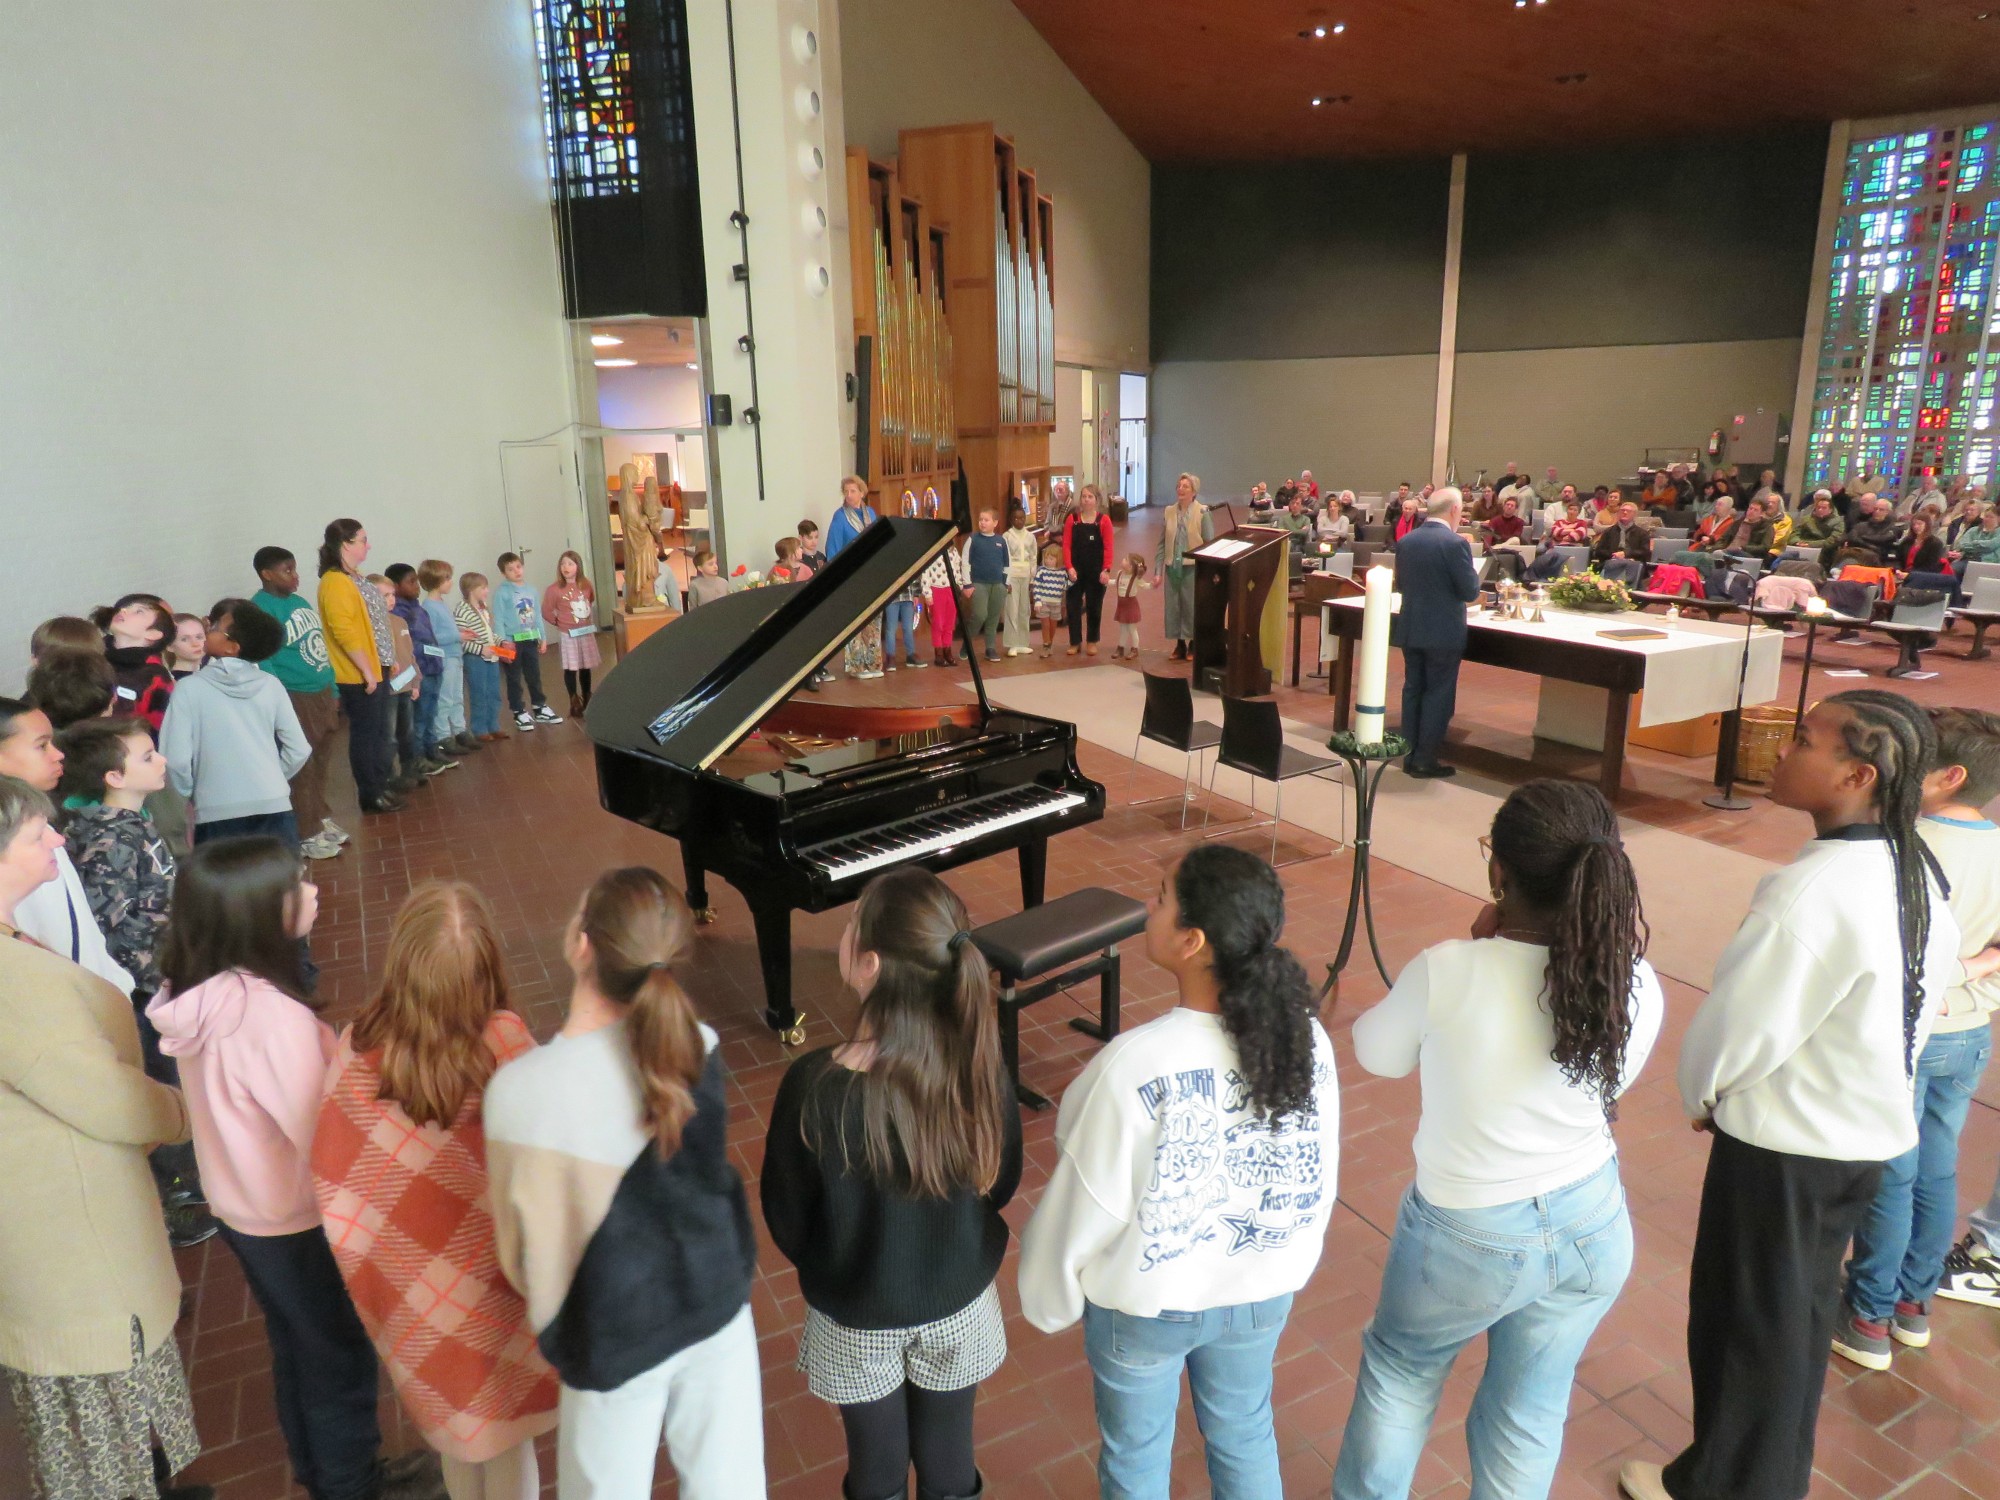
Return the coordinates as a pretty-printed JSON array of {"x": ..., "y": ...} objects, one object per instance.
[{"x": 1761, "y": 740}]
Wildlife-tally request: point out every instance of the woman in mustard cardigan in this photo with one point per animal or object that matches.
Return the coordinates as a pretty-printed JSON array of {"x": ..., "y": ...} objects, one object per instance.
[
  {"x": 88, "y": 1290},
  {"x": 357, "y": 662}
]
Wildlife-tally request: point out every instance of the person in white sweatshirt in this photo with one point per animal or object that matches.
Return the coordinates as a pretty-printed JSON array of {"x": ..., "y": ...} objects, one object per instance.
[
  {"x": 231, "y": 736},
  {"x": 56, "y": 915},
  {"x": 1800, "y": 1065},
  {"x": 1516, "y": 1226},
  {"x": 1191, "y": 1194}
]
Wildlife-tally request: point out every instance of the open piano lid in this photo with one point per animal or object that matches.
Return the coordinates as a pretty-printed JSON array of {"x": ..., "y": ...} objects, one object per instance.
[{"x": 694, "y": 689}]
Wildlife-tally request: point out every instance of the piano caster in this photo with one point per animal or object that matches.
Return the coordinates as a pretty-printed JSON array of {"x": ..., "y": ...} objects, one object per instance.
[{"x": 704, "y": 916}]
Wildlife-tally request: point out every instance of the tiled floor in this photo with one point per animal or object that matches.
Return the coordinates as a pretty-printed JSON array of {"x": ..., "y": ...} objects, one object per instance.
[{"x": 521, "y": 821}]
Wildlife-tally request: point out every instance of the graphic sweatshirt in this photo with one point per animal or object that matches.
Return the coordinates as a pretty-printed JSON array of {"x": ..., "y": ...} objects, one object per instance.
[{"x": 1169, "y": 1192}]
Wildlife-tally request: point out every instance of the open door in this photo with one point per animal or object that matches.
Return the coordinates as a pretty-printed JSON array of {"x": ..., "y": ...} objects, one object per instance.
[{"x": 538, "y": 489}]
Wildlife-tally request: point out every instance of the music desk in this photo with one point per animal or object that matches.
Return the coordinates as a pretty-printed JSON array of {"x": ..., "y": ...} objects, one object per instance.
[{"x": 1689, "y": 672}]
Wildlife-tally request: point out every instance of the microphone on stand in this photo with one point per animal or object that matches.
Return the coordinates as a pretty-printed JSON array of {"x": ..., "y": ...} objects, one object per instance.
[{"x": 1726, "y": 800}]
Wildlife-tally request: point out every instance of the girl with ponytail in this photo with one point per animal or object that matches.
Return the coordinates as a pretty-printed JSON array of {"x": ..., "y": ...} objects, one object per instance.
[
  {"x": 1799, "y": 1064},
  {"x": 617, "y": 1214},
  {"x": 1516, "y": 1226},
  {"x": 1194, "y": 1183},
  {"x": 887, "y": 1164}
]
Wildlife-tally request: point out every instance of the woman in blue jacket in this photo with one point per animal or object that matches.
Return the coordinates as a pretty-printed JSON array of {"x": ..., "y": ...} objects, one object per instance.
[{"x": 856, "y": 515}]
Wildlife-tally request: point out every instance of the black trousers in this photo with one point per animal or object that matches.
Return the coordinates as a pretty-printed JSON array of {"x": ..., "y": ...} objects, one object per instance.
[
  {"x": 1085, "y": 605},
  {"x": 368, "y": 718},
  {"x": 322, "y": 1365},
  {"x": 932, "y": 1429},
  {"x": 1430, "y": 695},
  {"x": 1763, "y": 1302},
  {"x": 524, "y": 677}
]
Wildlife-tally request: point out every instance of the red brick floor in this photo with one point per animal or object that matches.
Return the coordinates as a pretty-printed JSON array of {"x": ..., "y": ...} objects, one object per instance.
[{"x": 521, "y": 821}]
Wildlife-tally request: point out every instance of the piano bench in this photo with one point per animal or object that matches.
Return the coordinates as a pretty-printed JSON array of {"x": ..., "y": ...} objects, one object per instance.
[{"x": 1036, "y": 954}]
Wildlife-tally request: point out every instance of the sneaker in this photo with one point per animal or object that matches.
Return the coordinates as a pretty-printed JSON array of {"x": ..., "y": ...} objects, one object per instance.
[
  {"x": 320, "y": 847},
  {"x": 332, "y": 830},
  {"x": 866, "y": 676},
  {"x": 384, "y": 804},
  {"x": 437, "y": 762},
  {"x": 1640, "y": 1480},
  {"x": 524, "y": 720},
  {"x": 462, "y": 744},
  {"x": 546, "y": 715},
  {"x": 1911, "y": 1325},
  {"x": 1971, "y": 1273},
  {"x": 189, "y": 1224},
  {"x": 888, "y": 666},
  {"x": 916, "y": 666},
  {"x": 1864, "y": 1342}
]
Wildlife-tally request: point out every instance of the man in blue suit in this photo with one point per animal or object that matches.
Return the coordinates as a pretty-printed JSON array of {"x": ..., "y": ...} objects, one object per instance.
[{"x": 1434, "y": 574}]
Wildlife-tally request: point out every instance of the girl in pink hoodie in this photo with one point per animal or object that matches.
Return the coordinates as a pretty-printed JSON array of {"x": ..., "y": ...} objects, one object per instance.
[{"x": 253, "y": 1061}]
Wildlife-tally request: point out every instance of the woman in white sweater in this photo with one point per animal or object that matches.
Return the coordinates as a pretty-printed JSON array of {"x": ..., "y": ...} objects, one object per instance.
[
  {"x": 1516, "y": 1226},
  {"x": 1800, "y": 1064},
  {"x": 1191, "y": 1195}
]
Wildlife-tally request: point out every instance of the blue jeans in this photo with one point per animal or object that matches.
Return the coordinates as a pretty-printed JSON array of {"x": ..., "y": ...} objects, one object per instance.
[
  {"x": 430, "y": 691},
  {"x": 482, "y": 688},
  {"x": 1534, "y": 1276},
  {"x": 1135, "y": 1369},
  {"x": 901, "y": 615},
  {"x": 451, "y": 699},
  {"x": 279, "y": 825},
  {"x": 1899, "y": 1253}
]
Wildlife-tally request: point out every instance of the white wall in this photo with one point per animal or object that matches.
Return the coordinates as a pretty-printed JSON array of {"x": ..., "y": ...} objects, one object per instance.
[
  {"x": 911, "y": 63},
  {"x": 262, "y": 266},
  {"x": 652, "y": 396}
]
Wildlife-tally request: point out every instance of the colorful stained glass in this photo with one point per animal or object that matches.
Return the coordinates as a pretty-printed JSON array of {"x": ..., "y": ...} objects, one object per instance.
[
  {"x": 1909, "y": 352},
  {"x": 589, "y": 118}
]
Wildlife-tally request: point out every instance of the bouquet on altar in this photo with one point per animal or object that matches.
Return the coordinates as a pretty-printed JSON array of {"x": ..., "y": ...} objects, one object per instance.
[{"x": 1590, "y": 591}]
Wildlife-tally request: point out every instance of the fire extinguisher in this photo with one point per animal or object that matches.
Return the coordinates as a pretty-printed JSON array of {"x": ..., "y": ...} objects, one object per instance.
[{"x": 1715, "y": 443}]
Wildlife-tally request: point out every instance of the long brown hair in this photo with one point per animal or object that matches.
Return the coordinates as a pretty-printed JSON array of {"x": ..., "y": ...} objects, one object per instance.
[
  {"x": 935, "y": 1095},
  {"x": 232, "y": 909},
  {"x": 639, "y": 929},
  {"x": 443, "y": 982},
  {"x": 581, "y": 581}
]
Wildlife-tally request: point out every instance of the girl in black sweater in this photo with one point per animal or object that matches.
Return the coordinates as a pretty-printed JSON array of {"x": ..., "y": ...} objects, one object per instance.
[{"x": 887, "y": 1164}]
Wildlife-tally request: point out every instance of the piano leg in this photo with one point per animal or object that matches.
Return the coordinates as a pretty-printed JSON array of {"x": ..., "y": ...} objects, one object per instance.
[
  {"x": 1034, "y": 871},
  {"x": 774, "y": 954},
  {"x": 696, "y": 880}
]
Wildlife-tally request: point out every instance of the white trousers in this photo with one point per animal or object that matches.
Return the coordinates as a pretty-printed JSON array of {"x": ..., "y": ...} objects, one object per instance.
[
  {"x": 512, "y": 1475},
  {"x": 709, "y": 1401}
]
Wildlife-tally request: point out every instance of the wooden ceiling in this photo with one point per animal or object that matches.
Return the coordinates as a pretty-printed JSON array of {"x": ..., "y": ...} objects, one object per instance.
[{"x": 1234, "y": 80}]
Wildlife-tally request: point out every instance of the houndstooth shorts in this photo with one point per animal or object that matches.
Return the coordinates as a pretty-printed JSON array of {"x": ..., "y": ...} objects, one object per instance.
[{"x": 850, "y": 1366}]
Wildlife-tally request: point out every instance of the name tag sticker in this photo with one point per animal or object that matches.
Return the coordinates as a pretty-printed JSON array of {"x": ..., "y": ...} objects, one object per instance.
[
  {"x": 403, "y": 679},
  {"x": 582, "y": 630},
  {"x": 125, "y": 692},
  {"x": 434, "y": 651}
]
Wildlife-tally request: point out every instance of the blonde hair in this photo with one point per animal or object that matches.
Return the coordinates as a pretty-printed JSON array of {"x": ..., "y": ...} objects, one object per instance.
[
  {"x": 470, "y": 583},
  {"x": 1194, "y": 482},
  {"x": 433, "y": 573},
  {"x": 639, "y": 929},
  {"x": 442, "y": 983}
]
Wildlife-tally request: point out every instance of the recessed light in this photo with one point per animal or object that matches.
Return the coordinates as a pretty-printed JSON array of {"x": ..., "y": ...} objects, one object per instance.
[
  {"x": 692, "y": 365},
  {"x": 604, "y": 341},
  {"x": 1319, "y": 31},
  {"x": 1339, "y": 27},
  {"x": 1316, "y": 104},
  {"x": 614, "y": 364}
]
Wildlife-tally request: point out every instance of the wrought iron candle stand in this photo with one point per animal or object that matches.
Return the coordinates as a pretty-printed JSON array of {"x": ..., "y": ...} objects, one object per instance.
[{"x": 1359, "y": 758}]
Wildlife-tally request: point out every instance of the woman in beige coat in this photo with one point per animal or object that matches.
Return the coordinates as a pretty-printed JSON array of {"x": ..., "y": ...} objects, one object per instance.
[{"x": 88, "y": 1290}]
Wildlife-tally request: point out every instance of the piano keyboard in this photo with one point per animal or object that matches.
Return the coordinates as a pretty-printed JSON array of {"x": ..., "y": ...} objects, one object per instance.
[{"x": 931, "y": 833}]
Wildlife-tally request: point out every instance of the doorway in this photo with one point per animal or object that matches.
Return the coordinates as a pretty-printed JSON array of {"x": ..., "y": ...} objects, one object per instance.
[{"x": 1132, "y": 482}]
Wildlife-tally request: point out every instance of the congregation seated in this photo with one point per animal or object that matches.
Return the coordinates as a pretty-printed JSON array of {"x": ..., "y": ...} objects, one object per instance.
[
  {"x": 1291, "y": 510},
  {"x": 1920, "y": 549},
  {"x": 1757, "y": 537},
  {"x": 1978, "y": 544},
  {"x": 1410, "y": 517},
  {"x": 1485, "y": 506},
  {"x": 1718, "y": 528},
  {"x": 1334, "y": 524},
  {"x": 1876, "y": 532},
  {"x": 1821, "y": 524},
  {"x": 1571, "y": 528},
  {"x": 1624, "y": 539}
]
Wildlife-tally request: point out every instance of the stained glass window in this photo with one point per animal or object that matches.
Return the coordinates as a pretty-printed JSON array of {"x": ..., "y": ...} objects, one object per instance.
[
  {"x": 1909, "y": 354},
  {"x": 587, "y": 98}
]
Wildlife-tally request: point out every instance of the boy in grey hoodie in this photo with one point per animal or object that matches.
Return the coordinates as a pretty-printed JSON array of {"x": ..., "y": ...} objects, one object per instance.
[{"x": 234, "y": 744}]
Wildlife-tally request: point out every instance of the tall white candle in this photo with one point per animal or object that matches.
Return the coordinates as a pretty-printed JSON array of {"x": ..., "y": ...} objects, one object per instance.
[{"x": 1371, "y": 691}]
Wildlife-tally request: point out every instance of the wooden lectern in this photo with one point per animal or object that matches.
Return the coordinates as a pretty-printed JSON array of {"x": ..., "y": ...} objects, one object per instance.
[{"x": 1239, "y": 610}]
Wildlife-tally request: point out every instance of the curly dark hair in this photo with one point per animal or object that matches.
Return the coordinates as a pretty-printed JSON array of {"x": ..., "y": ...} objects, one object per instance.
[
  {"x": 1897, "y": 738},
  {"x": 1557, "y": 843},
  {"x": 1268, "y": 1007}
]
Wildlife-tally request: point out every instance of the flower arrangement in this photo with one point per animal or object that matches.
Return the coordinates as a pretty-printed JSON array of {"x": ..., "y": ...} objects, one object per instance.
[{"x": 1590, "y": 591}]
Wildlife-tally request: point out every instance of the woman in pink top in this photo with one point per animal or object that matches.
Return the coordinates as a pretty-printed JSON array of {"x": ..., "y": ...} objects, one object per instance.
[
  {"x": 400, "y": 1166},
  {"x": 253, "y": 1062}
]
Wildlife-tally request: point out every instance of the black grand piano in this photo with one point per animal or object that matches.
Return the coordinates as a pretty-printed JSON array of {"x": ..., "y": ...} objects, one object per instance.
[{"x": 798, "y": 803}]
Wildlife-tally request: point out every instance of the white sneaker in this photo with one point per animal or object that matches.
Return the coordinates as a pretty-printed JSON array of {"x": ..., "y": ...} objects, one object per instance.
[
  {"x": 1971, "y": 1273},
  {"x": 916, "y": 666},
  {"x": 1020, "y": 650},
  {"x": 866, "y": 676},
  {"x": 319, "y": 847},
  {"x": 524, "y": 721},
  {"x": 547, "y": 715},
  {"x": 328, "y": 829}
]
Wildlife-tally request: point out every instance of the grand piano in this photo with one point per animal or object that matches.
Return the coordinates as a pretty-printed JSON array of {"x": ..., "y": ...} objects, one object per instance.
[{"x": 799, "y": 803}]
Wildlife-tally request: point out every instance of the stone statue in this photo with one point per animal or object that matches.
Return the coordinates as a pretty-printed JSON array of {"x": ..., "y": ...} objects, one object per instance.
[{"x": 642, "y": 543}]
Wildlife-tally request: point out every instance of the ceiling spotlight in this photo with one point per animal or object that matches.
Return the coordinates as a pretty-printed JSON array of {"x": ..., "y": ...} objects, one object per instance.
[
  {"x": 614, "y": 364},
  {"x": 604, "y": 341},
  {"x": 1339, "y": 27},
  {"x": 1319, "y": 31},
  {"x": 1316, "y": 103},
  {"x": 692, "y": 365}
]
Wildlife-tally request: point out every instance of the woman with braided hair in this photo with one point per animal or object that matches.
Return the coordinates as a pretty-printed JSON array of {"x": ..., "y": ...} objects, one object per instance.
[
  {"x": 1516, "y": 1226},
  {"x": 1193, "y": 1185},
  {"x": 886, "y": 1166},
  {"x": 1800, "y": 1065}
]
